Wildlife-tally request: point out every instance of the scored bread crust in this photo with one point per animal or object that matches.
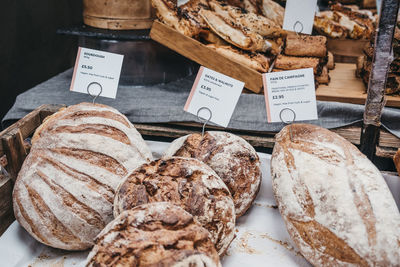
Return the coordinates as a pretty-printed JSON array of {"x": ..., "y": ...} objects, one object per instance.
[
  {"x": 155, "y": 234},
  {"x": 334, "y": 201},
  {"x": 64, "y": 192},
  {"x": 187, "y": 183},
  {"x": 231, "y": 157}
]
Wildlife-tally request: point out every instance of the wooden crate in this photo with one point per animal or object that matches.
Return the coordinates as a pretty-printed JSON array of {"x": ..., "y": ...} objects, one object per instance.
[
  {"x": 196, "y": 51},
  {"x": 14, "y": 149}
]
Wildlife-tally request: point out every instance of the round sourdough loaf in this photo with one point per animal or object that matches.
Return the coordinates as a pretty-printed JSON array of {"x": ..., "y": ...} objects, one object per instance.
[
  {"x": 334, "y": 201},
  {"x": 187, "y": 183},
  {"x": 64, "y": 192},
  {"x": 231, "y": 157},
  {"x": 155, "y": 234}
]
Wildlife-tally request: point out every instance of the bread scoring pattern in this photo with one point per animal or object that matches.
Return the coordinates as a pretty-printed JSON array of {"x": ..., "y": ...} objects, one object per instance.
[{"x": 64, "y": 192}]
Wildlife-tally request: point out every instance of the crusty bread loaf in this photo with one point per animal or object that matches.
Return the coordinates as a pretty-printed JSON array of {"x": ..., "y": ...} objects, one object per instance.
[
  {"x": 155, "y": 234},
  {"x": 230, "y": 156},
  {"x": 64, "y": 192},
  {"x": 334, "y": 201},
  {"x": 187, "y": 183}
]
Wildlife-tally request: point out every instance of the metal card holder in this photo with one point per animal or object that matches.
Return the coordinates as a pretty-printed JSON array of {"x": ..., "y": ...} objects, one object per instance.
[
  {"x": 93, "y": 95},
  {"x": 204, "y": 121},
  {"x": 288, "y": 122}
]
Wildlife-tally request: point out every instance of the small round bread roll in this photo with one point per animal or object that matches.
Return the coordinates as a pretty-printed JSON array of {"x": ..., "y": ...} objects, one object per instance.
[
  {"x": 231, "y": 157},
  {"x": 64, "y": 193},
  {"x": 187, "y": 183},
  {"x": 155, "y": 234}
]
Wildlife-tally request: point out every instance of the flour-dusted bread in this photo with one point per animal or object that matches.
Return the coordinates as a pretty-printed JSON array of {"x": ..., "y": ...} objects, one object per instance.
[
  {"x": 230, "y": 156},
  {"x": 187, "y": 183},
  {"x": 155, "y": 234},
  {"x": 334, "y": 201},
  {"x": 64, "y": 192}
]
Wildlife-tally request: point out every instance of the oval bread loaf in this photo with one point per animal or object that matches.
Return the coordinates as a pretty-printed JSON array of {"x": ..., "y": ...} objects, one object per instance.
[
  {"x": 187, "y": 183},
  {"x": 155, "y": 234},
  {"x": 64, "y": 192},
  {"x": 334, "y": 201},
  {"x": 230, "y": 156}
]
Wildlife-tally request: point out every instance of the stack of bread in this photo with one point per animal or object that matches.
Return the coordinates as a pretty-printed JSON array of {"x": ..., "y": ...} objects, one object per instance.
[
  {"x": 345, "y": 22},
  {"x": 249, "y": 32},
  {"x": 303, "y": 51},
  {"x": 90, "y": 180},
  {"x": 364, "y": 65}
]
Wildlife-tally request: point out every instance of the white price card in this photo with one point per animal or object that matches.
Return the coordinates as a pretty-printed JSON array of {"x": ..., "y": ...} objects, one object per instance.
[
  {"x": 299, "y": 15},
  {"x": 216, "y": 93},
  {"x": 290, "y": 95},
  {"x": 99, "y": 68}
]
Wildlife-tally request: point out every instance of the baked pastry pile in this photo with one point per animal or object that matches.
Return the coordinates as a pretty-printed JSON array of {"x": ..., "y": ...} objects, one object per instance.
[
  {"x": 90, "y": 171},
  {"x": 364, "y": 65},
  {"x": 248, "y": 32},
  {"x": 345, "y": 22}
]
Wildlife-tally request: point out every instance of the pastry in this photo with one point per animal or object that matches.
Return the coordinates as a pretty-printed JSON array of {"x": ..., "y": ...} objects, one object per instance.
[
  {"x": 155, "y": 234},
  {"x": 306, "y": 46},
  {"x": 293, "y": 63},
  {"x": 187, "y": 183},
  {"x": 335, "y": 203},
  {"x": 273, "y": 11},
  {"x": 234, "y": 34},
  {"x": 254, "y": 61},
  {"x": 64, "y": 193},
  {"x": 230, "y": 156}
]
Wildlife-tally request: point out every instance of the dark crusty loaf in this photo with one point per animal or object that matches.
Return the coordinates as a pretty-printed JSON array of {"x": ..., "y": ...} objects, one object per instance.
[
  {"x": 187, "y": 183},
  {"x": 65, "y": 190},
  {"x": 155, "y": 234},
  {"x": 334, "y": 201},
  {"x": 230, "y": 156}
]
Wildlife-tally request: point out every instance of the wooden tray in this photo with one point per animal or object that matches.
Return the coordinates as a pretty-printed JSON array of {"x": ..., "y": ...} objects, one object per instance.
[
  {"x": 345, "y": 87},
  {"x": 14, "y": 148},
  {"x": 346, "y": 47}
]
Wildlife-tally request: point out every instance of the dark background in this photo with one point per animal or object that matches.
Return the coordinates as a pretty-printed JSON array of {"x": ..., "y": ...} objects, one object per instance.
[{"x": 30, "y": 50}]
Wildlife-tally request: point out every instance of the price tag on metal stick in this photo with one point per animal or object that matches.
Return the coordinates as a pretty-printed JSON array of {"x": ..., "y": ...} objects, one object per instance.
[
  {"x": 299, "y": 15},
  {"x": 290, "y": 90},
  {"x": 94, "y": 67},
  {"x": 216, "y": 92}
]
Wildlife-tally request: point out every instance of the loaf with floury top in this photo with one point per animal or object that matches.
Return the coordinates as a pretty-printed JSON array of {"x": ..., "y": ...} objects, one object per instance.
[
  {"x": 64, "y": 193},
  {"x": 334, "y": 201}
]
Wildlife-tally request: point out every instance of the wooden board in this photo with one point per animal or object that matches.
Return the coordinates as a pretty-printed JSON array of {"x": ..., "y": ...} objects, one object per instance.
[
  {"x": 196, "y": 51},
  {"x": 345, "y": 87},
  {"x": 346, "y": 47}
]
